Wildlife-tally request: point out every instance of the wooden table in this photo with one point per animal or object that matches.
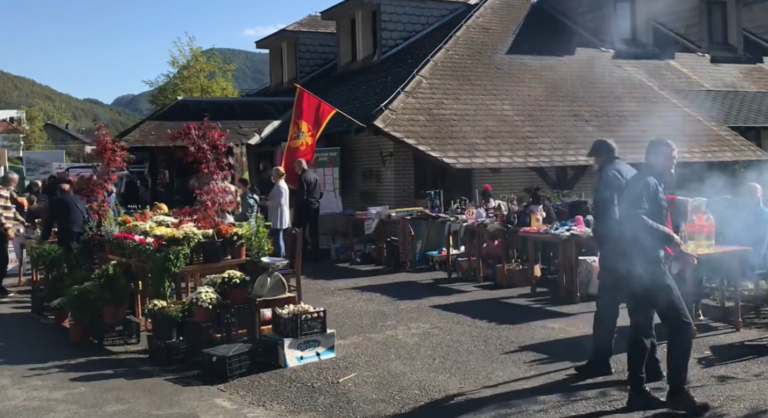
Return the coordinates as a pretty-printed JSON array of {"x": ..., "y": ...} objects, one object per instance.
[
  {"x": 189, "y": 273},
  {"x": 567, "y": 276},
  {"x": 731, "y": 257}
]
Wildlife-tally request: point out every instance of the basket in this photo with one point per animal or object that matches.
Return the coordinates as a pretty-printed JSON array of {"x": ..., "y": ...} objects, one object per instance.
[
  {"x": 300, "y": 325},
  {"x": 229, "y": 361},
  {"x": 127, "y": 333}
]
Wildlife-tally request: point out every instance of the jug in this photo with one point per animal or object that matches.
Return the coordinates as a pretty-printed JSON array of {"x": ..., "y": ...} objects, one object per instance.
[{"x": 698, "y": 234}]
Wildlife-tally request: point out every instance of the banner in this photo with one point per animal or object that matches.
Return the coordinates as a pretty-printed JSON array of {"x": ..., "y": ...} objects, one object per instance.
[
  {"x": 326, "y": 165},
  {"x": 310, "y": 115}
]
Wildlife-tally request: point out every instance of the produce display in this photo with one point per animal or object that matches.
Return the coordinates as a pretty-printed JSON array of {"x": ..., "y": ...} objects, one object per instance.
[{"x": 307, "y": 311}]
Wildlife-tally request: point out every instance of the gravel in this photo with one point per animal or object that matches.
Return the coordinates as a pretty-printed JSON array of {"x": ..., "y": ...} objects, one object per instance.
[{"x": 423, "y": 346}]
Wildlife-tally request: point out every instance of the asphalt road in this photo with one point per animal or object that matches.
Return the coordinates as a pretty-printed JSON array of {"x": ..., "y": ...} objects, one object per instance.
[
  {"x": 422, "y": 346},
  {"x": 43, "y": 376},
  {"x": 418, "y": 345}
]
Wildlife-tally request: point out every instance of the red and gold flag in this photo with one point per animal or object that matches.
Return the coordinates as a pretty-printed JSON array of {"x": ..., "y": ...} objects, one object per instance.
[{"x": 310, "y": 115}]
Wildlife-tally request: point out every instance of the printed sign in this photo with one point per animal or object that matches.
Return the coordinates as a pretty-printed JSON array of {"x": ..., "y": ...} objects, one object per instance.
[
  {"x": 38, "y": 164},
  {"x": 327, "y": 164}
]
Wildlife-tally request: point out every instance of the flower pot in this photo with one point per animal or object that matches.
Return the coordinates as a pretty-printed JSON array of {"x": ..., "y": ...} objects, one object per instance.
[
  {"x": 238, "y": 296},
  {"x": 113, "y": 315},
  {"x": 108, "y": 248},
  {"x": 203, "y": 315},
  {"x": 237, "y": 252},
  {"x": 60, "y": 316},
  {"x": 78, "y": 333},
  {"x": 212, "y": 251}
]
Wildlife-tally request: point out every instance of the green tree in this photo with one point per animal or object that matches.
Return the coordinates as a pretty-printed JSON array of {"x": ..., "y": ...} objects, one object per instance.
[{"x": 193, "y": 73}]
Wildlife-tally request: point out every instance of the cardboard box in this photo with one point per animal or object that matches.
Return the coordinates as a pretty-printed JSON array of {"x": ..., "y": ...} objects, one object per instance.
[{"x": 294, "y": 352}]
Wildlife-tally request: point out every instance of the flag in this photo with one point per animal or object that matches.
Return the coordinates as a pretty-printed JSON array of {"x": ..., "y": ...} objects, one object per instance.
[{"x": 310, "y": 115}]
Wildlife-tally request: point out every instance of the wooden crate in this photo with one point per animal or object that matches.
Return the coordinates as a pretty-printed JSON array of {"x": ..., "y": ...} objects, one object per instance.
[{"x": 512, "y": 277}]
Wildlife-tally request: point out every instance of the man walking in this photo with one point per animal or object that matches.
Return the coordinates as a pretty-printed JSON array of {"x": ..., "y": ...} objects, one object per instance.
[
  {"x": 613, "y": 174},
  {"x": 307, "y": 210},
  {"x": 70, "y": 215},
  {"x": 644, "y": 216},
  {"x": 9, "y": 221}
]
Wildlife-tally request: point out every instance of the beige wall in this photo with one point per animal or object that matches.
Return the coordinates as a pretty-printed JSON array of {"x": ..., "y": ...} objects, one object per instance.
[{"x": 366, "y": 181}]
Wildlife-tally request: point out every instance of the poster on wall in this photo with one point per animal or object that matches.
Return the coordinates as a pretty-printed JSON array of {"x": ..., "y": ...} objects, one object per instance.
[{"x": 326, "y": 165}]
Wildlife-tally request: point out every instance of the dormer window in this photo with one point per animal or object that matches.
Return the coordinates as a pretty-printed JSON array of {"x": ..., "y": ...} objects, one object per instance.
[
  {"x": 624, "y": 22},
  {"x": 359, "y": 37},
  {"x": 283, "y": 64},
  {"x": 717, "y": 19}
]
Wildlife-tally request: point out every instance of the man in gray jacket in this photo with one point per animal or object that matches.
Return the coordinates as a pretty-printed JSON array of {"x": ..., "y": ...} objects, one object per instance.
[{"x": 613, "y": 174}]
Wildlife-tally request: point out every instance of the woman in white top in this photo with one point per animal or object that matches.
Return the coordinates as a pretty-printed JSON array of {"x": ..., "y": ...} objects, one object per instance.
[{"x": 279, "y": 210}]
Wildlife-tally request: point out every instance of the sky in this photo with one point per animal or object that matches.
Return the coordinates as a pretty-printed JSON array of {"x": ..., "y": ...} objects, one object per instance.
[{"x": 103, "y": 49}]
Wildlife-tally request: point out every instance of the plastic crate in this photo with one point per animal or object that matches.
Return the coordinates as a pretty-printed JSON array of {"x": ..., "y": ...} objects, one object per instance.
[
  {"x": 228, "y": 361},
  {"x": 202, "y": 336},
  {"x": 127, "y": 333},
  {"x": 235, "y": 321},
  {"x": 300, "y": 325},
  {"x": 168, "y": 353}
]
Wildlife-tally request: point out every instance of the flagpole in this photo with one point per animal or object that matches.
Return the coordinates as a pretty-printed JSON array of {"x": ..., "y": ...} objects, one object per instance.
[{"x": 337, "y": 110}]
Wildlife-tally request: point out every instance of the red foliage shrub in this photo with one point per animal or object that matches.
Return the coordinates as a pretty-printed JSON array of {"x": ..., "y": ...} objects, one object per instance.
[
  {"x": 207, "y": 149},
  {"x": 113, "y": 157}
]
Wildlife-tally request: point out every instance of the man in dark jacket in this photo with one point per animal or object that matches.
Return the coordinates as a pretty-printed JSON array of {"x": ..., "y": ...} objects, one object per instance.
[
  {"x": 69, "y": 214},
  {"x": 645, "y": 221},
  {"x": 307, "y": 210},
  {"x": 613, "y": 174}
]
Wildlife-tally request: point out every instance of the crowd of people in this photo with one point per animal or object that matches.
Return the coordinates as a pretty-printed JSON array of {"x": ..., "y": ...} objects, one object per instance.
[{"x": 640, "y": 256}]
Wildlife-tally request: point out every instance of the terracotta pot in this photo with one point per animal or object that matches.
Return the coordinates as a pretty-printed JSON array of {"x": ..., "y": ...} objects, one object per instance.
[
  {"x": 237, "y": 252},
  {"x": 204, "y": 315},
  {"x": 238, "y": 296},
  {"x": 78, "y": 333},
  {"x": 114, "y": 315},
  {"x": 60, "y": 316}
]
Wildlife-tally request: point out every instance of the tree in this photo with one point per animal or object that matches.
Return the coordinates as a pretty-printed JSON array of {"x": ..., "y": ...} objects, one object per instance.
[
  {"x": 35, "y": 138},
  {"x": 113, "y": 158},
  {"x": 193, "y": 73}
]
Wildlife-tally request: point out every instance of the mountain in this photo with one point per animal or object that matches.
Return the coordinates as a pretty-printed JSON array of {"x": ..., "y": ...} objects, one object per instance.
[
  {"x": 17, "y": 92},
  {"x": 252, "y": 72}
]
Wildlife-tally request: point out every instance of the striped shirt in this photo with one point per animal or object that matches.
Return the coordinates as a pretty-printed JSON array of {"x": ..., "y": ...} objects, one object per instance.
[{"x": 9, "y": 218}]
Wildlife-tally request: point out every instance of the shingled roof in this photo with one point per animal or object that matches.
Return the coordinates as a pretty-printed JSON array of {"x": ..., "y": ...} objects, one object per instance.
[
  {"x": 73, "y": 134},
  {"x": 475, "y": 106},
  {"x": 361, "y": 93},
  {"x": 729, "y": 108},
  {"x": 9, "y": 128},
  {"x": 243, "y": 117},
  {"x": 312, "y": 23}
]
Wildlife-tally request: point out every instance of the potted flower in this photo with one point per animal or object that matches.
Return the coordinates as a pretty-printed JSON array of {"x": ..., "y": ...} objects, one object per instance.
[
  {"x": 211, "y": 246},
  {"x": 167, "y": 318},
  {"x": 114, "y": 288},
  {"x": 202, "y": 301},
  {"x": 237, "y": 244},
  {"x": 235, "y": 284},
  {"x": 82, "y": 304},
  {"x": 60, "y": 314}
]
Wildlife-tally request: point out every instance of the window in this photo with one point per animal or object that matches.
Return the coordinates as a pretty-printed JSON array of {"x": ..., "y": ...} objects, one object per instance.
[
  {"x": 717, "y": 13},
  {"x": 353, "y": 39},
  {"x": 624, "y": 11},
  {"x": 375, "y": 32}
]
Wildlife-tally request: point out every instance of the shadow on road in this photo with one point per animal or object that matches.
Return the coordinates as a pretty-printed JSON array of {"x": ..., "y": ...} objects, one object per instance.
[
  {"x": 44, "y": 348},
  {"x": 464, "y": 404},
  {"x": 738, "y": 352},
  {"x": 501, "y": 311}
]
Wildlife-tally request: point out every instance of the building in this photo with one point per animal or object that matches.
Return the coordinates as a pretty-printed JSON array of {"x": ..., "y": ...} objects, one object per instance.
[
  {"x": 15, "y": 117},
  {"x": 242, "y": 118},
  {"x": 11, "y": 136},
  {"x": 457, "y": 94},
  {"x": 75, "y": 145}
]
